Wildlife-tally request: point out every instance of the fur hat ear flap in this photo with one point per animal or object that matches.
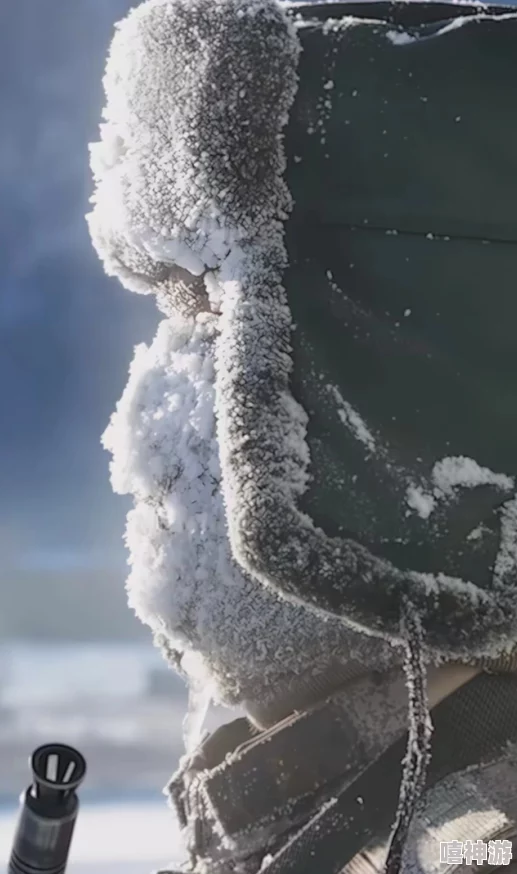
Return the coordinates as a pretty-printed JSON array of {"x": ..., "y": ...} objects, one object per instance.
[
  {"x": 190, "y": 181},
  {"x": 188, "y": 172},
  {"x": 264, "y": 459}
]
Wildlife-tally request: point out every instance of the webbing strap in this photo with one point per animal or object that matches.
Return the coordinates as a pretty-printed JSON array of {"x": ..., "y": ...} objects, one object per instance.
[{"x": 471, "y": 726}]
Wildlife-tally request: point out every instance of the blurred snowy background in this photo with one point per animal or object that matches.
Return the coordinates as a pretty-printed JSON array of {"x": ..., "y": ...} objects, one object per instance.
[
  {"x": 75, "y": 665},
  {"x": 123, "y": 709}
]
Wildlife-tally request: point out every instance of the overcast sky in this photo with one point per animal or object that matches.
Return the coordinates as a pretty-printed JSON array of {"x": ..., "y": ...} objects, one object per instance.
[{"x": 66, "y": 331}]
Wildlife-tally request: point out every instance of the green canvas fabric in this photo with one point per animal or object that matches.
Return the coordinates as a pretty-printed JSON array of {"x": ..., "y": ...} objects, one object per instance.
[
  {"x": 403, "y": 266},
  {"x": 398, "y": 267}
]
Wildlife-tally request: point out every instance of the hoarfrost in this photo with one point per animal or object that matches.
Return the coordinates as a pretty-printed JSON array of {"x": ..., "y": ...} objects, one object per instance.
[
  {"x": 183, "y": 581},
  {"x": 447, "y": 476},
  {"x": 400, "y": 37},
  {"x": 353, "y": 421},
  {"x": 476, "y": 533},
  {"x": 167, "y": 199},
  {"x": 418, "y": 500},
  {"x": 449, "y": 473},
  {"x": 207, "y": 436},
  {"x": 507, "y": 557}
]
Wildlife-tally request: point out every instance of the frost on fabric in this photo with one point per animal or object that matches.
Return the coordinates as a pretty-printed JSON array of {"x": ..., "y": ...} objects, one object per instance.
[
  {"x": 353, "y": 421},
  {"x": 183, "y": 581},
  {"x": 450, "y": 474},
  {"x": 264, "y": 468},
  {"x": 507, "y": 557},
  {"x": 168, "y": 199},
  {"x": 419, "y": 501},
  {"x": 189, "y": 204},
  {"x": 265, "y": 465},
  {"x": 400, "y": 37}
]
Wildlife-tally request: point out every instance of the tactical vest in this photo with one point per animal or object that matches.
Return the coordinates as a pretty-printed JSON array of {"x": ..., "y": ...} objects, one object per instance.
[{"x": 317, "y": 792}]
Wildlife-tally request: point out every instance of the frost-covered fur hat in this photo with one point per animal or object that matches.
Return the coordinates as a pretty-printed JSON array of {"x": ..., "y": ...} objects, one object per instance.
[
  {"x": 190, "y": 204},
  {"x": 189, "y": 193}
]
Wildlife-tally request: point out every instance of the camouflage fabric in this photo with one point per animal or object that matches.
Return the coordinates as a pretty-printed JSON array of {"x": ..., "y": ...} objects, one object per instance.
[{"x": 248, "y": 799}]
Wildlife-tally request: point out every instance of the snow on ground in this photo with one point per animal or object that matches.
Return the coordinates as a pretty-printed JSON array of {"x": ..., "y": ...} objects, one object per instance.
[
  {"x": 97, "y": 696},
  {"x": 49, "y": 672},
  {"x": 113, "y": 838}
]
